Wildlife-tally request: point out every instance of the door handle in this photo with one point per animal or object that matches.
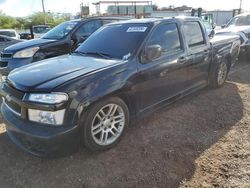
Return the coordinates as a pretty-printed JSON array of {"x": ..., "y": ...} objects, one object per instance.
[
  {"x": 182, "y": 60},
  {"x": 206, "y": 52},
  {"x": 164, "y": 73}
]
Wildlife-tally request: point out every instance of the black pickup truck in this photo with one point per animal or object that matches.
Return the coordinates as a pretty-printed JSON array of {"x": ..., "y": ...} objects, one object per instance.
[{"x": 123, "y": 71}]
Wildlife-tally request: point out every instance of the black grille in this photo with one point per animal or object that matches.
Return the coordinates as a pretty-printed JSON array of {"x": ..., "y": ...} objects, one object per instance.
[
  {"x": 12, "y": 91},
  {"x": 3, "y": 64},
  {"x": 6, "y": 55},
  {"x": 14, "y": 106}
]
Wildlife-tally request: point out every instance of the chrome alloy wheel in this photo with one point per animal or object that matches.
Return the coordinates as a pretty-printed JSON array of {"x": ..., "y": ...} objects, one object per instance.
[
  {"x": 222, "y": 73},
  {"x": 108, "y": 124}
]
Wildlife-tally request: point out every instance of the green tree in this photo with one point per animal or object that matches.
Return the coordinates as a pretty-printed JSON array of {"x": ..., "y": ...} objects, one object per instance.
[
  {"x": 52, "y": 19},
  {"x": 38, "y": 18},
  {"x": 21, "y": 23},
  {"x": 6, "y": 22}
]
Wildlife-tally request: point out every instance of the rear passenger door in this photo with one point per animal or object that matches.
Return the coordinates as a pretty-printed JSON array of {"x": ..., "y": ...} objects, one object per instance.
[
  {"x": 165, "y": 77},
  {"x": 199, "y": 51}
]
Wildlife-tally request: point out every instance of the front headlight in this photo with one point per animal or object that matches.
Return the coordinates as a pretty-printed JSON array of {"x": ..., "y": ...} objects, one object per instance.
[
  {"x": 46, "y": 117},
  {"x": 48, "y": 98},
  {"x": 29, "y": 52}
]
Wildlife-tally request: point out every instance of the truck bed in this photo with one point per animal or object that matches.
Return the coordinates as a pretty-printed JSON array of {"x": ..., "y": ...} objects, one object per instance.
[
  {"x": 224, "y": 39},
  {"x": 226, "y": 43}
]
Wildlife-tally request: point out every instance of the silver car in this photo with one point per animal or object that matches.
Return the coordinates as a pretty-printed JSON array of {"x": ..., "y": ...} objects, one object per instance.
[{"x": 239, "y": 25}]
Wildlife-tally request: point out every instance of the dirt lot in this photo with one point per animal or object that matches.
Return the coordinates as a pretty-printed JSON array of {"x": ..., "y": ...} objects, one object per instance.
[{"x": 200, "y": 141}]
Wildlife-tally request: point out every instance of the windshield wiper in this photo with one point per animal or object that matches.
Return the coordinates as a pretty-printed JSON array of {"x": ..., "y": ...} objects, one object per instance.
[
  {"x": 78, "y": 52},
  {"x": 103, "y": 55}
]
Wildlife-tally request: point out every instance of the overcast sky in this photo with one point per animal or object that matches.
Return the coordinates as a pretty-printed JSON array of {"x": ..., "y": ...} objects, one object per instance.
[{"x": 26, "y": 7}]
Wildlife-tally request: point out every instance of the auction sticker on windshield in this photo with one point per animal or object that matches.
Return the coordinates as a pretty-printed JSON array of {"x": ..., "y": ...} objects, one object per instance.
[{"x": 137, "y": 29}]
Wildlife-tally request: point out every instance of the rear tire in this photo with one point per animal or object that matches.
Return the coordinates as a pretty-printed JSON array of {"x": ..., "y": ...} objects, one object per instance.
[
  {"x": 218, "y": 74},
  {"x": 105, "y": 124},
  {"x": 247, "y": 55}
]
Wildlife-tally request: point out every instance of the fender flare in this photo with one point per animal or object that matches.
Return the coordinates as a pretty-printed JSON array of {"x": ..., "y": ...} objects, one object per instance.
[{"x": 87, "y": 101}]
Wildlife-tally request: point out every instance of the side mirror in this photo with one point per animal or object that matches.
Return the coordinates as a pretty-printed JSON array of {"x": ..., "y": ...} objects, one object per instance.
[
  {"x": 212, "y": 33},
  {"x": 83, "y": 38},
  {"x": 223, "y": 26},
  {"x": 78, "y": 40},
  {"x": 72, "y": 42},
  {"x": 151, "y": 52},
  {"x": 213, "y": 25}
]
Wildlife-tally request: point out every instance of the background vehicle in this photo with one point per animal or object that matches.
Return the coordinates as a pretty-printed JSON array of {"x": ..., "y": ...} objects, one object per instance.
[
  {"x": 239, "y": 25},
  {"x": 25, "y": 36},
  {"x": 39, "y": 30},
  {"x": 9, "y": 33},
  {"x": 209, "y": 28},
  {"x": 61, "y": 40},
  {"x": 124, "y": 70},
  {"x": 7, "y": 41}
]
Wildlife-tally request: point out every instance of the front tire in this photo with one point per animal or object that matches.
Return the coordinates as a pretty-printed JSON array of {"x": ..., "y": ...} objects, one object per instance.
[
  {"x": 218, "y": 74},
  {"x": 105, "y": 124}
]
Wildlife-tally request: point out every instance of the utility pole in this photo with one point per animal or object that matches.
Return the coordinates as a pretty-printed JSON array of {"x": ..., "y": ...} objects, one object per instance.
[
  {"x": 44, "y": 13},
  {"x": 240, "y": 6}
]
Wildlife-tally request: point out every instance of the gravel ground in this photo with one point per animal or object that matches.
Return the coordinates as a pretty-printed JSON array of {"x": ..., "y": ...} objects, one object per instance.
[{"x": 200, "y": 141}]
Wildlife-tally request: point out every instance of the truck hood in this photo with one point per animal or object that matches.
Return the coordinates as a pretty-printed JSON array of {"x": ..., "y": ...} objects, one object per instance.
[
  {"x": 27, "y": 44},
  {"x": 45, "y": 75},
  {"x": 236, "y": 29}
]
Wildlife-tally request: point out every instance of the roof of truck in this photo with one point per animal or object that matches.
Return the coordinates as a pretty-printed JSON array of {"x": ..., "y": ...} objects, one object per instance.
[
  {"x": 158, "y": 19},
  {"x": 102, "y": 17}
]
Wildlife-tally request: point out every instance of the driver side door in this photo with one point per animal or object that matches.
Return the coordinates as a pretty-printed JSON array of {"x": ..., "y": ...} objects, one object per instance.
[{"x": 165, "y": 77}]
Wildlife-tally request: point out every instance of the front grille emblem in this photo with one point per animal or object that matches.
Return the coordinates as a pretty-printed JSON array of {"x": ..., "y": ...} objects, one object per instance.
[{"x": 8, "y": 97}]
